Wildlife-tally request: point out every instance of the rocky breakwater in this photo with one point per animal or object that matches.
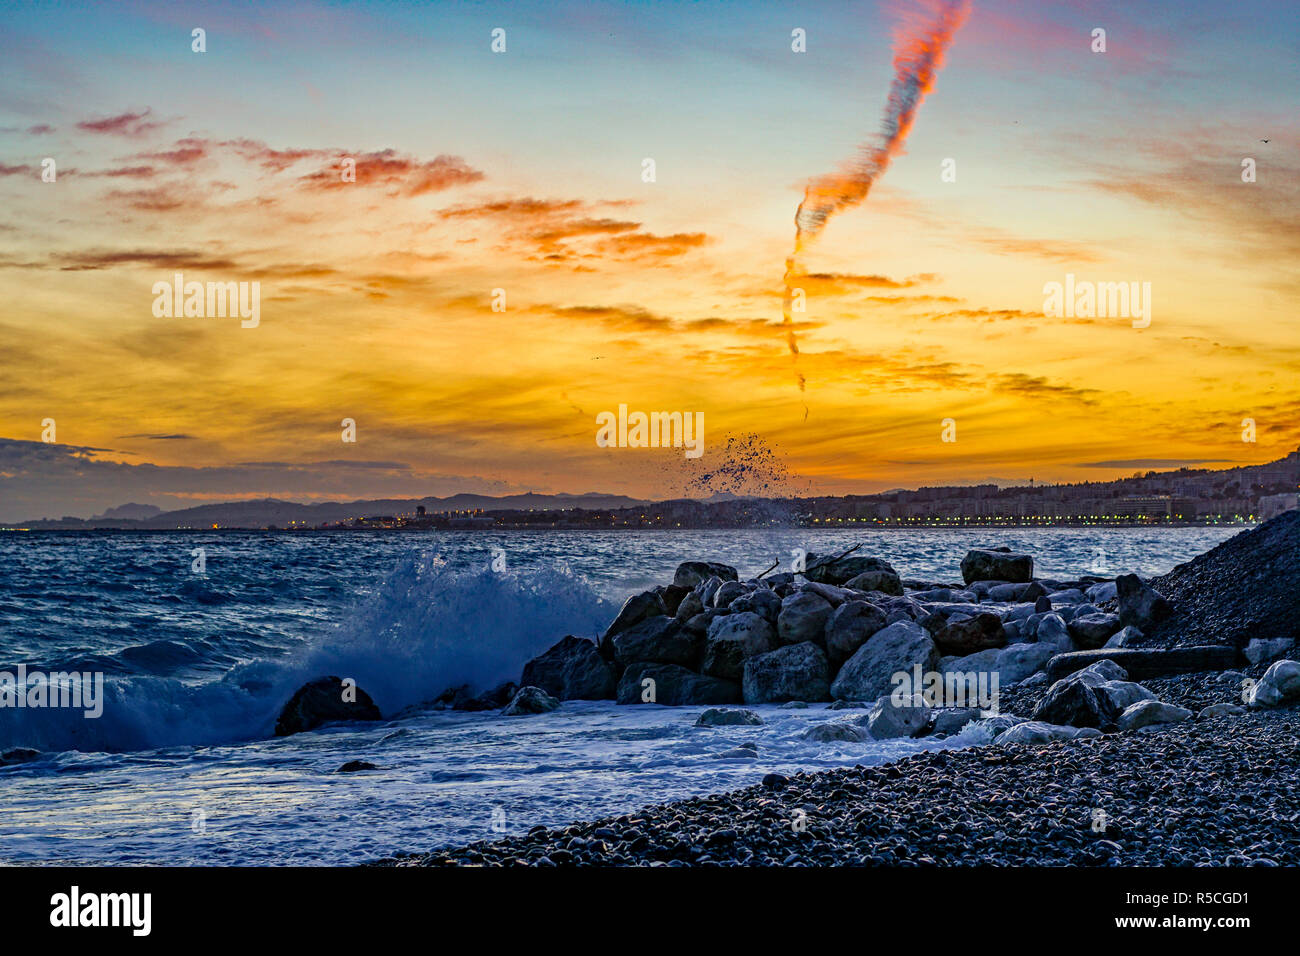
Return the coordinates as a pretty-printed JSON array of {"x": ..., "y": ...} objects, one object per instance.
[
  {"x": 918, "y": 657},
  {"x": 1083, "y": 655}
]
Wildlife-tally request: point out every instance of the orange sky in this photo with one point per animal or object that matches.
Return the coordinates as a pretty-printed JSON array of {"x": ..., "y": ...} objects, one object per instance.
[{"x": 523, "y": 172}]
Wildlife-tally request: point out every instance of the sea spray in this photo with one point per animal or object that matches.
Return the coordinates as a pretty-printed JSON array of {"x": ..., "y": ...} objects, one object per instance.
[{"x": 427, "y": 627}]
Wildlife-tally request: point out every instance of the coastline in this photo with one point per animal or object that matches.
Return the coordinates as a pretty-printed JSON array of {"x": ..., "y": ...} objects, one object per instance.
[
  {"x": 1086, "y": 763},
  {"x": 1217, "y": 791}
]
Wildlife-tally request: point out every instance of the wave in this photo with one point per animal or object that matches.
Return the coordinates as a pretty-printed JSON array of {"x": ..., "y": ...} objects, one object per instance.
[{"x": 428, "y": 627}]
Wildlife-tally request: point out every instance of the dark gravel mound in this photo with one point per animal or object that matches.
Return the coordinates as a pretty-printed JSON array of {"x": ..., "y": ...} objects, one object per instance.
[
  {"x": 1247, "y": 587},
  {"x": 1213, "y": 792}
]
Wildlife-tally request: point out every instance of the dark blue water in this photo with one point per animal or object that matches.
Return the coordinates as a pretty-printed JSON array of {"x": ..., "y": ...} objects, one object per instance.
[{"x": 181, "y": 765}]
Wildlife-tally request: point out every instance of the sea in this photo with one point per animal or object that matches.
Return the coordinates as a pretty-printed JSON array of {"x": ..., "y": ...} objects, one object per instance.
[{"x": 200, "y": 639}]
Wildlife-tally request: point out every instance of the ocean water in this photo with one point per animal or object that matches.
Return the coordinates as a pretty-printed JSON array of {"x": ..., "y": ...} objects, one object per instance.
[{"x": 181, "y": 767}]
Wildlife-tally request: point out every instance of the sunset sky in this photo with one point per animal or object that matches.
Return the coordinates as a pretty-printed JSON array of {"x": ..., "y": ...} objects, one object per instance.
[{"x": 522, "y": 171}]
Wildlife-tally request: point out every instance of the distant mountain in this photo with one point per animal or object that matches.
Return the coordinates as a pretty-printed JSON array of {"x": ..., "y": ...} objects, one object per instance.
[
  {"x": 131, "y": 512},
  {"x": 263, "y": 512}
]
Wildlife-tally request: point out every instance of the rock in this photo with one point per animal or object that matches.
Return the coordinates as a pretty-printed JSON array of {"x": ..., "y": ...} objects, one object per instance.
[
  {"x": 825, "y": 569},
  {"x": 1147, "y": 662},
  {"x": 847, "y": 705},
  {"x": 985, "y": 565},
  {"x": 699, "y": 624},
  {"x": 690, "y": 606},
  {"x": 674, "y": 686},
  {"x": 530, "y": 700},
  {"x": 18, "y": 755},
  {"x": 1279, "y": 685},
  {"x": 832, "y": 595},
  {"x": 1076, "y": 703},
  {"x": 888, "y": 718},
  {"x": 836, "y": 730},
  {"x": 795, "y": 705},
  {"x": 322, "y": 701},
  {"x": 909, "y": 609},
  {"x": 493, "y": 699},
  {"x": 803, "y": 618},
  {"x": 1101, "y": 671},
  {"x": 1258, "y": 651},
  {"x": 763, "y": 602},
  {"x": 1103, "y": 592},
  {"x": 1052, "y": 632},
  {"x": 1220, "y": 710},
  {"x": 1147, "y": 712},
  {"x": 727, "y": 592},
  {"x": 796, "y": 672},
  {"x": 1123, "y": 694},
  {"x": 571, "y": 670},
  {"x": 635, "y": 609},
  {"x": 849, "y": 627},
  {"x": 866, "y": 675},
  {"x": 999, "y": 724},
  {"x": 1006, "y": 593},
  {"x": 659, "y": 640},
  {"x": 884, "y": 580},
  {"x": 732, "y": 640},
  {"x": 691, "y": 573},
  {"x": 1090, "y": 631},
  {"x": 672, "y": 595},
  {"x": 1033, "y": 592},
  {"x": 951, "y": 720},
  {"x": 774, "y": 781},
  {"x": 355, "y": 766},
  {"x": 728, "y": 717},
  {"x": 1019, "y": 661},
  {"x": 1066, "y": 597},
  {"x": 1042, "y": 604},
  {"x": 705, "y": 590},
  {"x": 1037, "y": 732},
  {"x": 965, "y": 635},
  {"x": 980, "y": 662},
  {"x": 1124, "y": 637},
  {"x": 1034, "y": 680},
  {"x": 1139, "y": 604}
]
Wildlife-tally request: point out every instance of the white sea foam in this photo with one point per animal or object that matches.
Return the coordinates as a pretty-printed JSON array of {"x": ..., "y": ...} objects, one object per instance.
[{"x": 427, "y": 628}]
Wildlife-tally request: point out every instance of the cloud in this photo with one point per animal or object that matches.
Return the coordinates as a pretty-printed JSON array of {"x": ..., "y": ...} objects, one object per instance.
[
  {"x": 185, "y": 152},
  {"x": 1036, "y": 386},
  {"x": 153, "y": 258},
  {"x": 123, "y": 172},
  {"x": 1055, "y": 250},
  {"x": 123, "y": 124},
  {"x": 554, "y": 230},
  {"x": 406, "y": 175},
  {"x": 644, "y": 245}
]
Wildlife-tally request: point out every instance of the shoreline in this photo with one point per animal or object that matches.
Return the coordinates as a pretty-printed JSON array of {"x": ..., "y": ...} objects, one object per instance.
[
  {"x": 1086, "y": 762},
  {"x": 1217, "y": 791}
]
